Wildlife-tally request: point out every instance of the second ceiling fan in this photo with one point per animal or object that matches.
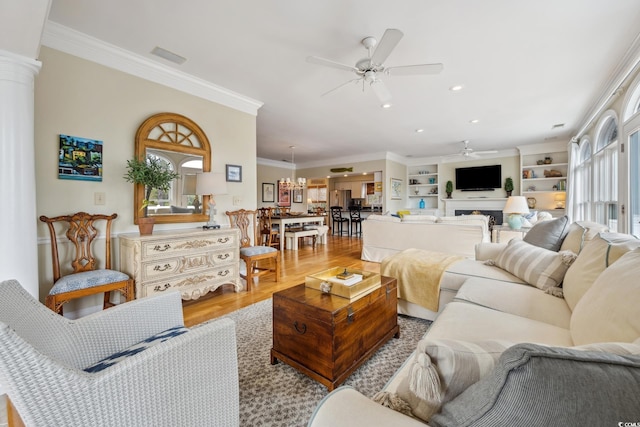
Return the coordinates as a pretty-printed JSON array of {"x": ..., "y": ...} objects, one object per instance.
[{"x": 369, "y": 69}]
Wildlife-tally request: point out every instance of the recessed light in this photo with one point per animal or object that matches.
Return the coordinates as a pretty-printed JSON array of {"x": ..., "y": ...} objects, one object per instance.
[
  {"x": 474, "y": 121},
  {"x": 169, "y": 56},
  {"x": 419, "y": 130},
  {"x": 387, "y": 105},
  {"x": 456, "y": 88}
]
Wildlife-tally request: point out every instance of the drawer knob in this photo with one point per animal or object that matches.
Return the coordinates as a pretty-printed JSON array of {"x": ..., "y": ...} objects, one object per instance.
[
  {"x": 162, "y": 268},
  {"x": 223, "y": 239},
  {"x": 223, "y": 273},
  {"x": 162, "y": 288},
  {"x": 300, "y": 329},
  {"x": 223, "y": 256}
]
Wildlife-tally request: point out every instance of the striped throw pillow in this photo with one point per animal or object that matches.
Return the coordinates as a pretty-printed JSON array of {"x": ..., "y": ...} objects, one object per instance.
[{"x": 537, "y": 266}]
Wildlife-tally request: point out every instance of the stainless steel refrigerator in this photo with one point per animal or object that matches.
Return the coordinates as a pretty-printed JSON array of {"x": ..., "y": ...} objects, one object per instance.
[{"x": 341, "y": 198}]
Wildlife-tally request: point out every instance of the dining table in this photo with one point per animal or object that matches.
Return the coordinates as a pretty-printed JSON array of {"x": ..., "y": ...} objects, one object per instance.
[{"x": 283, "y": 220}]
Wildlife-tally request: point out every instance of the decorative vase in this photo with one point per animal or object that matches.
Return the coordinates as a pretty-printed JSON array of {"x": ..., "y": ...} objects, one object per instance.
[
  {"x": 145, "y": 225},
  {"x": 448, "y": 195},
  {"x": 531, "y": 202},
  {"x": 421, "y": 204},
  {"x": 515, "y": 221},
  {"x": 509, "y": 193}
]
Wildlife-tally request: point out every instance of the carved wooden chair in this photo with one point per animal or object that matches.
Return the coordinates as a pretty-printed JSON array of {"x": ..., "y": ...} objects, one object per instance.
[
  {"x": 85, "y": 279},
  {"x": 246, "y": 221},
  {"x": 269, "y": 234}
]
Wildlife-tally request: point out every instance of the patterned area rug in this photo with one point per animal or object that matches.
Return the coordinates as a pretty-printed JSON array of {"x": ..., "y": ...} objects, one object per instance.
[{"x": 279, "y": 395}]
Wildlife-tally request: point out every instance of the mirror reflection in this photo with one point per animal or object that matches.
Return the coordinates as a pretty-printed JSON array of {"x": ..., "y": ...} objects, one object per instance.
[{"x": 182, "y": 197}]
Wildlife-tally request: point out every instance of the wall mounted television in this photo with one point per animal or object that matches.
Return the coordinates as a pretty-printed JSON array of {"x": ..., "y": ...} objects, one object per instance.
[{"x": 479, "y": 178}]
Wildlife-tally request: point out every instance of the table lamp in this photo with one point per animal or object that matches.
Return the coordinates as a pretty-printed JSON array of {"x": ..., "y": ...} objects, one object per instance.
[
  {"x": 515, "y": 207},
  {"x": 213, "y": 184},
  {"x": 189, "y": 189}
]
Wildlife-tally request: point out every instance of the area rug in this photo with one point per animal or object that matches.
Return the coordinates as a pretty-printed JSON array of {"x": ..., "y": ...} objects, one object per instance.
[{"x": 279, "y": 395}]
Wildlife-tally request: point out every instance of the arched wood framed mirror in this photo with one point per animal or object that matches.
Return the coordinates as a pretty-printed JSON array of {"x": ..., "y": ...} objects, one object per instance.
[{"x": 181, "y": 143}]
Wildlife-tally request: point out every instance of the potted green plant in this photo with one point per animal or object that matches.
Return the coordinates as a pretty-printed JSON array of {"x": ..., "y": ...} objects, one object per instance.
[
  {"x": 153, "y": 173},
  {"x": 508, "y": 186},
  {"x": 448, "y": 189}
]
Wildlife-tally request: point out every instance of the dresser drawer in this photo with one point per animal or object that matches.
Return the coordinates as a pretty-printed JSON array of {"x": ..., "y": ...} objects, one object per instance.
[
  {"x": 191, "y": 286},
  {"x": 166, "y": 267},
  {"x": 167, "y": 248}
]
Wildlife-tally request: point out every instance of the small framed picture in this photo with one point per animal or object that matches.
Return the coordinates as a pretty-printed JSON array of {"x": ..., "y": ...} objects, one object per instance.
[
  {"x": 234, "y": 173},
  {"x": 268, "y": 192},
  {"x": 297, "y": 195},
  {"x": 396, "y": 189}
]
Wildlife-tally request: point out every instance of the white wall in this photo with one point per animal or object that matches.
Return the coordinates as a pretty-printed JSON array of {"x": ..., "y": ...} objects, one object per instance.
[{"x": 81, "y": 98}]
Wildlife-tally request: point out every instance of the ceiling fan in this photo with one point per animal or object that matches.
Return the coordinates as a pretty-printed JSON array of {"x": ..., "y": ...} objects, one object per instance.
[
  {"x": 369, "y": 69},
  {"x": 468, "y": 152}
]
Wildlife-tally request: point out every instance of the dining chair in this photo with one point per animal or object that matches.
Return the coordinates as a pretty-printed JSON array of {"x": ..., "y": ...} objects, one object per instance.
[
  {"x": 85, "y": 278},
  {"x": 337, "y": 218},
  {"x": 269, "y": 233},
  {"x": 356, "y": 219},
  {"x": 245, "y": 221}
]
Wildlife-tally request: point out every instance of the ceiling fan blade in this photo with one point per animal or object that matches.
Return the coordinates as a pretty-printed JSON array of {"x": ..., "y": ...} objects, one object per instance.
[
  {"x": 389, "y": 40},
  {"x": 329, "y": 63},
  {"x": 486, "y": 152},
  {"x": 381, "y": 91},
  {"x": 338, "y": 87},
  {"x": 409, "y": 70}
]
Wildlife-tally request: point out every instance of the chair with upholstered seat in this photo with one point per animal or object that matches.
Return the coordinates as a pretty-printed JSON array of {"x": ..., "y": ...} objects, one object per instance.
[
  {"x": 85, "y": 278},
  {"x": 338, "y": 220},
  {"x": 132, "y": 365},
  {"x": 245, "y": 221}
]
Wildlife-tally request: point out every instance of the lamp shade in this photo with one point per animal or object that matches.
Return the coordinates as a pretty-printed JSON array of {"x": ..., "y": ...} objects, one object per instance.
[
  {"x": 211, "y": 183},
  {"x": 189, "y": 185},
  {"x": 516, "y": 204}
]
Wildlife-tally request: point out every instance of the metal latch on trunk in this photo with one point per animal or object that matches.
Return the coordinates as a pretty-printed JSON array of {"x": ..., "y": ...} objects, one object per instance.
[{"x": 349, "y": 315}]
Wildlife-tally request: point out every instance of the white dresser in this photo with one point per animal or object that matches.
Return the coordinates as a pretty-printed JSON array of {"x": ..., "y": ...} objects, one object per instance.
[{"x": 193, "y": 261}]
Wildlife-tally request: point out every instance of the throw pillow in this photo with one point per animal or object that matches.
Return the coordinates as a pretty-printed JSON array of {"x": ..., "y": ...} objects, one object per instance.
[
  {"x": 531, "y": 385},
  {"x": 596, "y": 255},
  {"x": 548, "y": 234},
  {"x": 442, "y": 369},
  {"x": 608, "y": 311},
  {"x": 537, "y": 266},
  {"x": 581, "y": 232}
]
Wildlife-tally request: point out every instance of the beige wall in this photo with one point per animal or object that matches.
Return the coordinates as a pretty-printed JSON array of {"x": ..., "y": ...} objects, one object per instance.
[
  {"x": 81, "y": 98},
  {"x": 271, "y": 174}
]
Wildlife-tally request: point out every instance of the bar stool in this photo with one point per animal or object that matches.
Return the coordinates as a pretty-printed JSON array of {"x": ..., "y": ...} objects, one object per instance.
[
  {"x": 356, "y": 218},
  {"x": 336, "y": 216}
]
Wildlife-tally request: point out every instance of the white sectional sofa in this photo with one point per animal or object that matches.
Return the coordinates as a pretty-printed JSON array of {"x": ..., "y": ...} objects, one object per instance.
[
  {"x": 384, "y": 235},
  {"x": 506, "y": 352}
]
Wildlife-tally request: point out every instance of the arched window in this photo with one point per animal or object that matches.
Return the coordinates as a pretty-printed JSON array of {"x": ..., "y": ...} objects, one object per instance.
[
  {"x": 582, "y": 173},
  {"x": 605, "y": 172}
]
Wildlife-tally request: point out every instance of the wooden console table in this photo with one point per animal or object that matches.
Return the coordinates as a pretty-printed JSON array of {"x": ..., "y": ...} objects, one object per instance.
[{"x": 193, "y": 261}]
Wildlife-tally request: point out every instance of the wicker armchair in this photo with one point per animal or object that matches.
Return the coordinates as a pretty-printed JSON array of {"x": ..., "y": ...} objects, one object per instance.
[{"x": 187, "y": 380}]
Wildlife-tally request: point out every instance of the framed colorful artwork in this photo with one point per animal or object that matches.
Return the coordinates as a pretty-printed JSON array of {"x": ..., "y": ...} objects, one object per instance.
[
  {"x": 284, "y": 194},
  {"x": 80, "y": 158}
]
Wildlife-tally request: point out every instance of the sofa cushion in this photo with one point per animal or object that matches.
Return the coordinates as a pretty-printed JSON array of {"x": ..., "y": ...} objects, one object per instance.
[
  {"x": 596, "y": 255},
  {"x": 465, "y": 219},
  {"x": 537, "y": 385},
  {"x": 456, "y": 274},
  {"x": 608, "y": 311},
  {"x": 581, "y": 232},
  {"x": 420, "y": 218},
  {"x": 518, "y": 299},
  {"x": 548, "y": 234},
  {"x": 537, "y": 266}
]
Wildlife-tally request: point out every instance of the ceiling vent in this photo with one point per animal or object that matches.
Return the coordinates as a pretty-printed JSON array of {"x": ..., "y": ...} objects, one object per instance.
[
  {"x": 557, "y": 126},
  {"x": 169, "y": 56}
]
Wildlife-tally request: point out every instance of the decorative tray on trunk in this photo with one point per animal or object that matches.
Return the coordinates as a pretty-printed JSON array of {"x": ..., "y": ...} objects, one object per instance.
[{"x": 343, "y": 282}]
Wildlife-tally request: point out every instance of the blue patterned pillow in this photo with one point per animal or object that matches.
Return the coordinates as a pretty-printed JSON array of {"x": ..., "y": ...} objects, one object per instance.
[{"x": 136, "y": 348}]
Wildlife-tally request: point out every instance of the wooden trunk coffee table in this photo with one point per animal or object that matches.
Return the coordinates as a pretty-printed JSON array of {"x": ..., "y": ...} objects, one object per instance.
[{"x": 328, "y": 337}]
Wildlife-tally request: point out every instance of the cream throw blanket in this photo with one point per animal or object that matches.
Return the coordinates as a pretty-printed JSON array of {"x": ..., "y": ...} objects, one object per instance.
[{"x": 418, "y": 273}]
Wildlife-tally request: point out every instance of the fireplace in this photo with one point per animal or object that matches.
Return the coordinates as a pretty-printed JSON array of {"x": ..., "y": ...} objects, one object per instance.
[{"x": 496, "y": 215}]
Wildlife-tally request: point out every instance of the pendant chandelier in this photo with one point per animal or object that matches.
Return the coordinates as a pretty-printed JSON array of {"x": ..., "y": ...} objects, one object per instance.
[{"x": 293, "y": 183}]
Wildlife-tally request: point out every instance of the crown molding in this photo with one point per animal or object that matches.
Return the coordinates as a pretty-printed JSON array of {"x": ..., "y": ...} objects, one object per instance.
[
  {"x": 619, "y": 77},
  {"x": 75, "y": 43}
]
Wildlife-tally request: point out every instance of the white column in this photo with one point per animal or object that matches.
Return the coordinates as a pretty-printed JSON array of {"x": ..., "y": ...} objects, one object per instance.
[{"x": 18, "y": 217}]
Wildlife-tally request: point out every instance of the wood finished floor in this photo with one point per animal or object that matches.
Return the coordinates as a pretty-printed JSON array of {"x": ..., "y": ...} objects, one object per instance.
[{"x": 295, "y": 265}]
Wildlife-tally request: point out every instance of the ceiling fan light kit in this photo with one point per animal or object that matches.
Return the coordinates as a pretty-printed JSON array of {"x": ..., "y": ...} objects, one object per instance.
[{"x": 370, "y": 68}]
